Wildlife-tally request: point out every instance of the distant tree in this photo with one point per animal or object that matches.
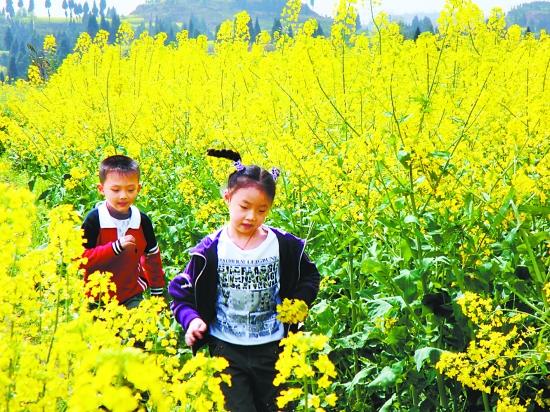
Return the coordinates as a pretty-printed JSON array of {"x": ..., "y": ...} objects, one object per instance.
[
  {"x": 104, "y": 24},
  {"x": 192, "y": 32},
  {"x": 159, "y": 26},
  {"x": 290, "y": 32},
  {"x": 102, "y": 7},
  {"x": 20, "y": 4},
  {"x": 415, "y": 22},
  {"x": 12, "y": 68},
  {"x": 318, "y": 31},
  {"x": 277, "y": 27},
  {"x": 9, "y": 8},
  {"x": 251, "y": 31},
  {"x": 22, "y": 47},
  {"x": 63, "y": 48},
  {"x": 140, "y": 29},
  {"x": 426, "y": 25},
  {"x": 416, "y": 33},
  {"x": 92, "y": 27},
  {"x": 31, "y": 6},
  {"x": 2, "y": 77},
  {"x": 171, "y": 36},
  {"x": 257, "y": 28},
  {"x": 528, "y": 30},
  {"x": 115, "y": 24},
  {"x": 14, "y": 47},
  {"x": 22, "y": 64},
  {"x": 358, "y": 22},
  {"x": 8, "y": 38},
  {"x": 65, "y": 6},
  {"x": 95, "y": 10},
  {"x": 86, "y": 8}
]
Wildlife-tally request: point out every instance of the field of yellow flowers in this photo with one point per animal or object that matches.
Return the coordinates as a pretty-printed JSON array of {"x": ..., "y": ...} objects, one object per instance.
[{"x": 418, "y": 171}]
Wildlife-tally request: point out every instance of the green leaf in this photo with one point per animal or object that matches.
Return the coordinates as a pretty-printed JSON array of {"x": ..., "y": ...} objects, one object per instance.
[
  {"x": 397, "y": 334},
  {"x": 440, "y": 155},
  {"x": 503, "y": 211},
  {"x": 378, "y": 308},
  {"x": 406, "y": 250},
  {"x": 370, "y": 265},
  {"x": 536, "y": 238},
  {"x": 387, "y": 407},
  {"x": 399, "y": 203},
  {"x": 404, "y": 158},
  {"x": 388, "y": 376},
  {"x": 420, "y": 355},
  {"x": 534, "y": 210},
  {"x": 359, "y": 378},
  {"x": 411, "y": 219},
  {"x": 407, "y": 282},
  {"x": 387, "y": 222}
]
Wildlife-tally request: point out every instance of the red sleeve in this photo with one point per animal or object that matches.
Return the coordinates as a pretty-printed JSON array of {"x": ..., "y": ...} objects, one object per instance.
[
  {"x": 152, "y": 269},
  {"x": 151, "y": 262},
  {"x": 98, "y": 255}
]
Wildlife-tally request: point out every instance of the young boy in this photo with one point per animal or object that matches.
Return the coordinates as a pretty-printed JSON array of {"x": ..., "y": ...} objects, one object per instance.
[{"x": 119, "y": 238}]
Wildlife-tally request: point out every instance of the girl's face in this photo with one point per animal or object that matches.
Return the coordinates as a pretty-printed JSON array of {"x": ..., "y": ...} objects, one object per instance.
[{"x": 248, "y": 208}]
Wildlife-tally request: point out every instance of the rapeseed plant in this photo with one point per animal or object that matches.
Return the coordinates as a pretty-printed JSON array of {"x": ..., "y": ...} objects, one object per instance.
[
  {"x": 302, "y": 364},
  {"x": 401, "y": 159}
]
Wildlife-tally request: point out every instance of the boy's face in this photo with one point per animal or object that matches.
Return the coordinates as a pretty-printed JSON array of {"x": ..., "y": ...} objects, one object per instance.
[{"x": 120, "y": 190}]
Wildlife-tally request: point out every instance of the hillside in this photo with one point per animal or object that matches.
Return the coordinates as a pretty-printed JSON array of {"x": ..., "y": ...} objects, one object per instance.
[
  {"x": 535, "y": 15},
  {"x": 214, "y": 12}
]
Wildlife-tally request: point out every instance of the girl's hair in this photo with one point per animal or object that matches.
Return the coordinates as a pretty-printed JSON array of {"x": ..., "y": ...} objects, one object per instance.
[
  {"x": 246, "y": 176},
  {"x": 117, "y": 164}
]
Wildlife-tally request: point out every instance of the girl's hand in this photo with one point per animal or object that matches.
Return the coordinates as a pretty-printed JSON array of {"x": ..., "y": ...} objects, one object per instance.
[{"x": 195, "y": 331}]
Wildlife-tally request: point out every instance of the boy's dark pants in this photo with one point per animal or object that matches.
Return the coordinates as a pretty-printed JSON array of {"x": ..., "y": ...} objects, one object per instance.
[{"x": 252, "y": 370}]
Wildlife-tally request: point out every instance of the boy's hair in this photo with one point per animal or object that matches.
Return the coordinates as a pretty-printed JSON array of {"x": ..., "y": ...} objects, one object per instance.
[
  {"x": 246, "y": 176},
  {"x": 117, "y": 164}
]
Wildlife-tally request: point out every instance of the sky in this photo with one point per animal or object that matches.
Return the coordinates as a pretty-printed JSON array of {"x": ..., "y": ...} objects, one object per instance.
[{"x": 323, "y": 7}]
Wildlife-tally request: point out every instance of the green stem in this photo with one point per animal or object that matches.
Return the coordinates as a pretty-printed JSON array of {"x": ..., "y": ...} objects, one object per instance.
[
  {"x": 533, "y": 259},
  {"x": 486, "y": 402},
  {"x": 440, "y": 379},
  {"x": 54, "y": 327},
  {"x": 353, "y": 297},
  {"x": 306, "y": 390}
]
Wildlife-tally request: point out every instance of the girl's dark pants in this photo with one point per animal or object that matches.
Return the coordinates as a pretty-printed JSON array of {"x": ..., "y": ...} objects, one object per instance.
[{"x": 252, "y": 370}]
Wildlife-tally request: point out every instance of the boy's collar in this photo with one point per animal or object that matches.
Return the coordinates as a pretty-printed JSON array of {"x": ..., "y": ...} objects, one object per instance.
[{"x": 107, "y": 221}]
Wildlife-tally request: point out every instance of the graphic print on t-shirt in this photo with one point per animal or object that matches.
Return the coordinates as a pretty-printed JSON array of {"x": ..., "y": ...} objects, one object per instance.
[{"x": 247, "y": 297}]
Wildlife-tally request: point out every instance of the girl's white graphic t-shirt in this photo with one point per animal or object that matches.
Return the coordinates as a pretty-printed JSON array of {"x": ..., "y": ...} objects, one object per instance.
[{"x": 248, "y": 292}]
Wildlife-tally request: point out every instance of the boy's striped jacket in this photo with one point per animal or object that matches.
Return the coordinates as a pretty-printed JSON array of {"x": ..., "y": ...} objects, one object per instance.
[{"x": 135, "y": 268}]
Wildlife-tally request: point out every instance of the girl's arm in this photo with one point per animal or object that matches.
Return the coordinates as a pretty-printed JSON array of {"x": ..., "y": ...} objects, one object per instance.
[
  {"x": 182, "y": 291},
  {"x": 195, "y": 331},
  {"x": 308, "y": 285}
]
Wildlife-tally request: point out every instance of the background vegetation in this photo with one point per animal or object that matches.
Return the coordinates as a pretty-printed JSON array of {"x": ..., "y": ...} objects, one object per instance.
[{"x": 417, "y": 170}]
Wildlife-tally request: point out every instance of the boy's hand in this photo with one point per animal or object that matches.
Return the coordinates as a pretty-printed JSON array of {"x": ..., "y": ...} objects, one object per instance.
[
  {"x": 195, "y": 331},
  {"x": 127, "y": 240}
]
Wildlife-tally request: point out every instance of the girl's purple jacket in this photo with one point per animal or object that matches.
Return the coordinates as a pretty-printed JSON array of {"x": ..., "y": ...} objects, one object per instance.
[{"x": 194, "y": 292}]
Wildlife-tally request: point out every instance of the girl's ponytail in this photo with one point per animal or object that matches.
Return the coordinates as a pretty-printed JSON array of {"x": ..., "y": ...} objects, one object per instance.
[
  {"x": 246, "y": 176},
  {"x": 224, "y": 154},
  {"x": 228, "y": 154}
]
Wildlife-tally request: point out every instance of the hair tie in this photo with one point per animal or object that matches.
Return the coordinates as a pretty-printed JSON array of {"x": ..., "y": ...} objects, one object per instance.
[
  {"x": 239, "y": 165},
  {"x": 275, "y": 173}
]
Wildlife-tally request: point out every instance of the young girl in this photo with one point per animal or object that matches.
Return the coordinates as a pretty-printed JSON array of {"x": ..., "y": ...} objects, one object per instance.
[{"x": 228, "y": 293}]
